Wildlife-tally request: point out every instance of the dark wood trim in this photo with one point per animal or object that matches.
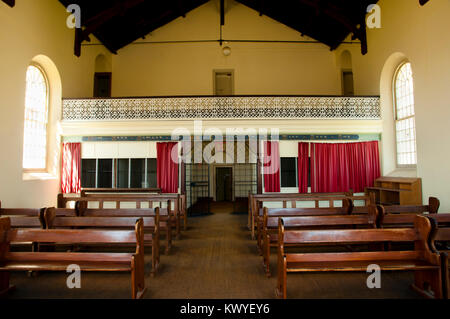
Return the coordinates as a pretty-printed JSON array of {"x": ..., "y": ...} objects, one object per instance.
[
  {"x": 215, "y": 96},
  {"x": 10, "y": 3}
]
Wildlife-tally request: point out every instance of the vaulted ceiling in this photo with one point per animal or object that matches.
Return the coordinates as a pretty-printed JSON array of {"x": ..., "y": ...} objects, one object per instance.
[{"x": 117, "y": 23}]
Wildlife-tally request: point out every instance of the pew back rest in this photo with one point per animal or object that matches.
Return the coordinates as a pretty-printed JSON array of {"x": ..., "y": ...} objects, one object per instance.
[
  {"x": 420, "y": 233},
  {"x": 431, "y": 208},
  {"x": 24, "y": 217},
  {"x": 323, "y": 221},
  {"x": 54, "y": 221},
  {"x": 69, "y": 236}
]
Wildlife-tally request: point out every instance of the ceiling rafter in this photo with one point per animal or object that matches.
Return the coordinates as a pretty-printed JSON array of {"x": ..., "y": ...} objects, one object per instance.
[
  {"x": 10, "y": 3},
  {"x": 99, "y": 20}
]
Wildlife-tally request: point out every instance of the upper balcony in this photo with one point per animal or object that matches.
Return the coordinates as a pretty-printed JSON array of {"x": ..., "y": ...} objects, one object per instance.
[{"x": 222, "y": 108}]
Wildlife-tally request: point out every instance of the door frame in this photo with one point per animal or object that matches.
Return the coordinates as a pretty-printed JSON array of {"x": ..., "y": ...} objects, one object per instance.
[{"x": 214, "y": 179}]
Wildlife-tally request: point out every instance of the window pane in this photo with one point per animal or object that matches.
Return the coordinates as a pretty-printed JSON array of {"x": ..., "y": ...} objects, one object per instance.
[
  {"x": 122, "y": 173},
  {"x": 405, "y": 123},
  {"x": 104, "y": 173},
  {"x": 88, "y": 172},
  {"x": 288, "y": 172},
  {"x": 151, "y": 173},
  {"x": 35, "y": 125},
  {"x": 138, "y": 173}
]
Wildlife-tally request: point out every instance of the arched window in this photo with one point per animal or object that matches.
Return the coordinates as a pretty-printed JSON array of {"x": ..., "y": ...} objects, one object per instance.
[
  {"x": 404, "y": 116},
  {"x": 36, "y": 120}
]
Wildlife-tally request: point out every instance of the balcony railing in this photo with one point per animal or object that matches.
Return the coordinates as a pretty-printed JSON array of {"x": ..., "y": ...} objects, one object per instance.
[{"x": 213, "y": 107}]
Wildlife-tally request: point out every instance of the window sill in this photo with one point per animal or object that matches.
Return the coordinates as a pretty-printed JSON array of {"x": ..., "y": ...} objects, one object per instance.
[{"x": 38, "y": 176}]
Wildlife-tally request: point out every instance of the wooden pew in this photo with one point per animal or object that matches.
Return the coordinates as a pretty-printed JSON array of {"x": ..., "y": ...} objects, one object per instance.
[
  {"x": 178, "y": 200},
  {"x": 346, "y": 209},
  {"x": 395, "y": 216},
  {"x": 52, "y": 221},
  {"x": 118, "y": 199},
  {"x": 440, "y": 244},
  {"x": 327, "y": 202},
  {"x": 59, "y": 261},
  {"x": 24, "y": 217},
  {"x": 164, "y": 222},
  {"x": 425, "y": 263},
  {"x": 252, "y": 197},
  {"x": 317, "y": 218}
]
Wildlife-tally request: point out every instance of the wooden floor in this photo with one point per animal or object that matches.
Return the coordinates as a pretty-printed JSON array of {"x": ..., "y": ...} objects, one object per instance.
[{"x": 215, "y": 259}]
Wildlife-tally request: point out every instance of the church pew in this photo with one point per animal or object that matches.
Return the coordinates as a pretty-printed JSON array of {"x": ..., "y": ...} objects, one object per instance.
[
  {"x": 164, "y": 221},
  {"x": 346, "y": 209},
  {"x": 52, "y": 221},
  {"x": 59, "y": 261},
  {"x": 178, "y": 200},
  {"x": 425, "y": 263},
  {"x": 252, "y": 197},
  {"x": 316, "y": 219},
  {"x": 327, "y": 202},
  {"x": 392, "y": 216},
  {"x": 25, "y": 218},
  {"x": 137, "y": 200},
  {"x": 441, "y": 245}
]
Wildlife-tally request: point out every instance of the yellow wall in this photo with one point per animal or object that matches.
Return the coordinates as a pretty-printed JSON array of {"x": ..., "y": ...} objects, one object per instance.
[
  {"x": 30, "y": 31},
  {"x": 421, "y": 35},
  {"x": 35, "y": 28},
  {"x": 260, "y": 68}
]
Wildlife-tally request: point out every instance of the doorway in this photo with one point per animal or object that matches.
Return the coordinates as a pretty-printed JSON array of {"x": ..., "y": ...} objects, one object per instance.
[
  {"x": 224, "y": 184},
  {"x": 223, "y": 82}
]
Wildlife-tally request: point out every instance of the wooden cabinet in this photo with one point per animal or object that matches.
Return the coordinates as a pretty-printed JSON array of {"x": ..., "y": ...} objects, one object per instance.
[{"x": 397, "y": 191}]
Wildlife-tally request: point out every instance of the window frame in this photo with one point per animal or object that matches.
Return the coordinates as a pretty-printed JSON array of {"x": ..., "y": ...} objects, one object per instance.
[
  {"x": 47, "y": 111},
  {"x": 396, "y": 119},
  {"x": 295, "y": 168}
]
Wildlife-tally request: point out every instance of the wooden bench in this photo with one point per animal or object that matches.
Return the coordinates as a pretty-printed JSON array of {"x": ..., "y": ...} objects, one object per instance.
[
  {"x": 425, "y": 263},
  {"x": 52, "y": 221},
  {"x": 178, "y": 200},
  {"x": 25, "y": 218},
  {"x": 164, "y": 223},
  {"x": 252, "y": 197},
  {"x": 59, "y": 261},
  {"x": 82, "y": 203},
  {"x": 442, "y": 237},
  {"x": 346, "y": 209},
  {"x": 394, "y": 216},
  {"x": 316, "y": 218},
  {"x": 327, "y": 200}
]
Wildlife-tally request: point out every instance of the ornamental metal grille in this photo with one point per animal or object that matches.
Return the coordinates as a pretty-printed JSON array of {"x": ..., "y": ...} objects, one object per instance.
[{"x": 236, "y": 107}]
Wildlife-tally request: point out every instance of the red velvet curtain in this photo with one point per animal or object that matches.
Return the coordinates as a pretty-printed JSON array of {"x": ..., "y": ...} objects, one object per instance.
[
  {"x": 340, "y": 167},
  {"x": 303, "y": 163},
  {"x": 167, "y": 168},
  {"x": 71, "y": 168},
  {"x": 272, "y": 167}
]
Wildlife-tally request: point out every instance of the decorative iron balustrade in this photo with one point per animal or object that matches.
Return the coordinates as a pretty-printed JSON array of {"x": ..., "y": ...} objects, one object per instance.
[{"x": 235, "y": 107}]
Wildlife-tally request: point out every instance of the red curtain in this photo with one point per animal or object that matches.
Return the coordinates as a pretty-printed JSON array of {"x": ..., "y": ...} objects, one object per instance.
[
  {"x": 303, "y": 163},
  {"x": 340, "y": 167},
  {"x": 167, "y": 168},
  {"x": 71, "y": 168},
  {"x": 272, "y": 167}
]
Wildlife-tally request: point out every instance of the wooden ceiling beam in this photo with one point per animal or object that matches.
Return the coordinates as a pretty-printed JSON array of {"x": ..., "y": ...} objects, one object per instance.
[
  {"x": 10, "y": 3},
  {"x": 423, "y": 2},
  {"x": 222, "y": 12},
  {"x": 334, "y": 13},
  {"x": 99, "y": 20}
]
